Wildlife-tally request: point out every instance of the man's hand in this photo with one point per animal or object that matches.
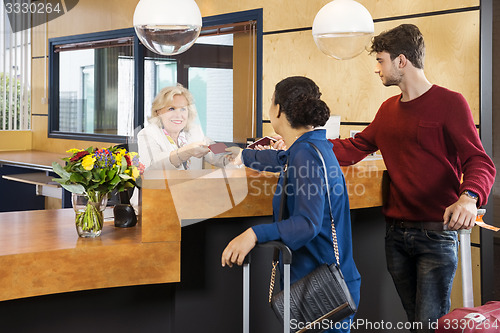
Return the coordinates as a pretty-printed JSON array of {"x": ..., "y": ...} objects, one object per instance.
[
  {"x": 462, "y": 214},
  {"x": 236, "y": 251}
]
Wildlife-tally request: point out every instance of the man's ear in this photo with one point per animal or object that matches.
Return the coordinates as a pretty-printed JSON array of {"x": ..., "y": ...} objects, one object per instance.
[
  {"x": 403, "y": 61},
  {"x": 279, "y": 111}
]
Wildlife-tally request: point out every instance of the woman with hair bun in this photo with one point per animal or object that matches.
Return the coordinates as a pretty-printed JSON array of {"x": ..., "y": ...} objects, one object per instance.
[{"x": 296, "y": 110}]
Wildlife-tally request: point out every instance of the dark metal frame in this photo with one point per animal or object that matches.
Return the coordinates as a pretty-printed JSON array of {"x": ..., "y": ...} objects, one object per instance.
[
  {"x": 486, "y": 132},
  {"x": 53, "y": 130},
  {"x": 139, "y": 53}
]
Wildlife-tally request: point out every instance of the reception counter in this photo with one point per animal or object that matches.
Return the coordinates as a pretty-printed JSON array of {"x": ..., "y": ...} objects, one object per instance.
[
  {"x": 169, "y": 264},
  {"x": 32, "y": 241},
  {"x": 40, "y": 253}
]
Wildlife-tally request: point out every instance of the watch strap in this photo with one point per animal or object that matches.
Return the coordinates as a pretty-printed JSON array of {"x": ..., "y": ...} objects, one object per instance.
[{"x": 471, "y": 194}]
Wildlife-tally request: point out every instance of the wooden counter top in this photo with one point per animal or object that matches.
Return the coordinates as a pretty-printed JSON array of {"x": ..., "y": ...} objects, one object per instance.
[
  {"x": 186, "y": 197},
  {"x": 41, "y": 254},
  {"x": 33, "y": 159}
]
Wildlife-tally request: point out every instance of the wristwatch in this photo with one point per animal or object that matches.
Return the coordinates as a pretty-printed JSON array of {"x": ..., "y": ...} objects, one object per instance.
[{"x": 471, "y": 194}]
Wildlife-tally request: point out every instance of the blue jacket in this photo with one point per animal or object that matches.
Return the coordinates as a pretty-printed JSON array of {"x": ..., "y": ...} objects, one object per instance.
[{"x": 306, "y": 226}]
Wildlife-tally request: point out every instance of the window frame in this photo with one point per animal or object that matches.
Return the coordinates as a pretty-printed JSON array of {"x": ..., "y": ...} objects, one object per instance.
[{"x": 139, "y": 60}]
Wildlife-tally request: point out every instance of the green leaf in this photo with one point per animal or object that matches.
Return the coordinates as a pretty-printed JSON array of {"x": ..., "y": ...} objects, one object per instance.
[
  {"x": 125, "y": 176},
  {"x": 124, "y": 165},
  {"x": 74, "y": 188},
  {"x": 59, "y": 180},
  {"x": 111, "y": 173},
  {"x": 115, "y": 180},
  {"x": 60, "y": 171},
  {"x": 77, "y": 178}
]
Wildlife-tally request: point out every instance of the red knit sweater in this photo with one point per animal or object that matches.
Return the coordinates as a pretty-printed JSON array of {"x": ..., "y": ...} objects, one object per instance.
[{"x": 427, "y": 143}]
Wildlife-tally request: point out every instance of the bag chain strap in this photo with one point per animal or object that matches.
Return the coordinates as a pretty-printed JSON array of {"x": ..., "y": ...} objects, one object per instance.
[
  {"x": 334, "y": 231},
  {"x": 273, "y": 277}
]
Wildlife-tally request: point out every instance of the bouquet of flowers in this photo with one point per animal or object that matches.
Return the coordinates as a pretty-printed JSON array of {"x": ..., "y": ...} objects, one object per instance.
[{"x": 95, "y": 173}]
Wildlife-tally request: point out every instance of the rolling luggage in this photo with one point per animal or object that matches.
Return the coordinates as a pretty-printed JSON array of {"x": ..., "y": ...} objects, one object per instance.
[
  {"x": 470, "y": 319},
  {"x": 287, "y": 260},
  {"x": 484, "y": 319}
]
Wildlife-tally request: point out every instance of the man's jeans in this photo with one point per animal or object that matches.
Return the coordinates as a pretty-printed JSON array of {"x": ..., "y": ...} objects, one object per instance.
[{"x": 422, "y": 264}]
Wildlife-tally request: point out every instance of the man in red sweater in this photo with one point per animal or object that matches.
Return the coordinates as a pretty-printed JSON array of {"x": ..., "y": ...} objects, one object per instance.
[{"x": 428, "y": 140}]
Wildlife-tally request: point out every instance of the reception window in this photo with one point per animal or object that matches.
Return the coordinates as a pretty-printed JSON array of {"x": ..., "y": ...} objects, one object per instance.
[{"x": 102, "y": 85}]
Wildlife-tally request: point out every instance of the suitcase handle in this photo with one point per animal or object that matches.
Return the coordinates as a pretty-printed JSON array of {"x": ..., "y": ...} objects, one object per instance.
[
  {"x": 278, "y": 247},
  {"x": 287, "y": 260},
  {"x": 286, "y": 253}
]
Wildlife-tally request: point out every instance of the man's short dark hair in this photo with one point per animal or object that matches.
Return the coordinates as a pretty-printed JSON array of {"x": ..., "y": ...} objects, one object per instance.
[{"x": 405, "y": 39}]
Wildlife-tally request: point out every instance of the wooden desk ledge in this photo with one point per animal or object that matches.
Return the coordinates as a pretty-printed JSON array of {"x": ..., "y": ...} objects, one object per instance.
[
  {"x": 41, "y": 254},
  {"x": 37, "y": 178}
]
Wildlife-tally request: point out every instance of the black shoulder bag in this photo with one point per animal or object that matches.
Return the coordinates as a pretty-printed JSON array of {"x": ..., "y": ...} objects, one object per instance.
[{"x": 321, "y": 297}]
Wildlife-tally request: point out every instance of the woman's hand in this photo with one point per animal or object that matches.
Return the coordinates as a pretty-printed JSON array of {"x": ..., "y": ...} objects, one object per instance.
[
  {"x": 235, "y": 156},
  {"x": 194, "y": 149},
  {"x": 278, "y": 144},
  {"x": 237, "y": 249}
]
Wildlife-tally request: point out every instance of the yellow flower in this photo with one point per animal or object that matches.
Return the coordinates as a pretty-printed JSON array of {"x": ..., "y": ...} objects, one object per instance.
[
  {"x": 74, "y": 150},
  {"x": 119, "y": 155},
  {"x": 135, "y": 172},
  {"x": 88, "y": 162}
]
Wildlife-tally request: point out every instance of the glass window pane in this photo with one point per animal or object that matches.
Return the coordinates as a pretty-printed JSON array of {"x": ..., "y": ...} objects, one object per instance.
[
  {"x": 212, "y": 89},
  {"x": 95, "y": 91},
  {"x": 158, "y": 73}
]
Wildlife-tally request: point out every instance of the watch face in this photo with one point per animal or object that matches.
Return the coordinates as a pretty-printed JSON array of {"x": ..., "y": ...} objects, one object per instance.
[{"x": 471, "y": 194}]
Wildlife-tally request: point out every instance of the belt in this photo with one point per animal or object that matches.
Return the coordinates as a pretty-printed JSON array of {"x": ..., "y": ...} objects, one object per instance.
[{"x": 433, "y": 226}]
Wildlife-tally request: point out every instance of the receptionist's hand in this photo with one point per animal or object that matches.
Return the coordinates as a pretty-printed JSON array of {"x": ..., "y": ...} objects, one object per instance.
[
  {"x": 235, "y": 156},
  {"x": 194, "y": 149},
  {"x": 237, "y": 249}
]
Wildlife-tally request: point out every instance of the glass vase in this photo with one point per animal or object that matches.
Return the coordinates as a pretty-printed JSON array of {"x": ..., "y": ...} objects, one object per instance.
[{"x": 88, "y": 209}]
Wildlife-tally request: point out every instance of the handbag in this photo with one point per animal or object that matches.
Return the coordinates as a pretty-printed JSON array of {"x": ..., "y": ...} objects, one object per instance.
[{"x": 321, "y": 298}]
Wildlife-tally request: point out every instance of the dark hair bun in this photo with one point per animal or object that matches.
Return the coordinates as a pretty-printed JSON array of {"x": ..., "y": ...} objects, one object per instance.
[{"x": 299, "y": 98}]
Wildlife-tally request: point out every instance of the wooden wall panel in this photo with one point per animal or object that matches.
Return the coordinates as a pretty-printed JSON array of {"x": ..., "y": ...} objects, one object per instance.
[
  {"x": 292, "y": 14},
  {"x": 39, "y": 127},
  {"x": 15, "y": 140},
  {"x": 38, "y": 38},
  {"x": 38, "y": 77},
  {"x": 93, "y": 16},
  {"x": 267, "y": 129},
  {"x": 243, "y": 86},
  {"x": 351, "y": 88}
]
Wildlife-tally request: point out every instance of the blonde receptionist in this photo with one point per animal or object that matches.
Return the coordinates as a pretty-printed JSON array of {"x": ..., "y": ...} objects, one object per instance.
[{"x": 172, "y": 139}]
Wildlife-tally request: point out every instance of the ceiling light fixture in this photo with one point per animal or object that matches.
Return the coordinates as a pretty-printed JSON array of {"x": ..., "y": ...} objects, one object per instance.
[
  {"x": 342, "y": 29},
  {"x": 167, "y": 27}
]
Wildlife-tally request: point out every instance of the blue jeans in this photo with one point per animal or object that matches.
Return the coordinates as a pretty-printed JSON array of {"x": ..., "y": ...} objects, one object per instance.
[{"x": 422, "y": 264}]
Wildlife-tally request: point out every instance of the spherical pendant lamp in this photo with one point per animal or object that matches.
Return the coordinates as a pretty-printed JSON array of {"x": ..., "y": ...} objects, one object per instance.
[
  {"x": 167, "y": 27},
  {"x": 342, "y": 29}
]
